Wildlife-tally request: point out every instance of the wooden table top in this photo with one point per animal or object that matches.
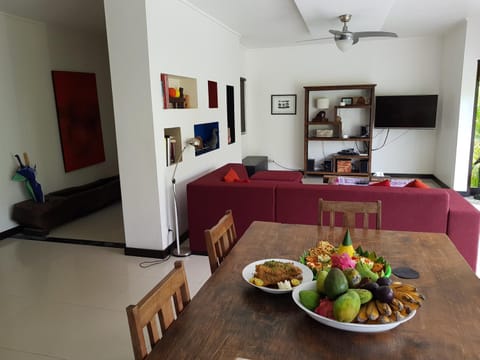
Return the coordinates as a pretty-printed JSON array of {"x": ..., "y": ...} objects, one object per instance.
[{"x": 228, "y": 318}]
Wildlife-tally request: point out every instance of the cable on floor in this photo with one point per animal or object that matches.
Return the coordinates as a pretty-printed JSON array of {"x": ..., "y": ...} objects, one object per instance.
[{"x": 147, "y": 264}]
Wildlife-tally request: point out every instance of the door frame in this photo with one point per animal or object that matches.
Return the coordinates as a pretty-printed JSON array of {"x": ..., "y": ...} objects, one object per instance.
[{"x": 470, "y": 190}]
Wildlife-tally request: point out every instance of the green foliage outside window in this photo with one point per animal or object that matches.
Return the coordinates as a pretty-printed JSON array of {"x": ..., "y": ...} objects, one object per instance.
[{"x": 475, "y": 178}]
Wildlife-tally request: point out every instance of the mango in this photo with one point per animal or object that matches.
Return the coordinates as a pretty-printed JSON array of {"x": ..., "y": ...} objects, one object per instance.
[{"x": 346, "y": 307}]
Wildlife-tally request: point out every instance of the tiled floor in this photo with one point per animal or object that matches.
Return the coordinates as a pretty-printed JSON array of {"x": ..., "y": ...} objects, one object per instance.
[{"x": 65, "y": 301}]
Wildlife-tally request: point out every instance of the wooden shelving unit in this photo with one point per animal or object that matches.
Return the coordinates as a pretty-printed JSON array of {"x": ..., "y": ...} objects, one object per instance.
[{"x": 346, "y": 124}]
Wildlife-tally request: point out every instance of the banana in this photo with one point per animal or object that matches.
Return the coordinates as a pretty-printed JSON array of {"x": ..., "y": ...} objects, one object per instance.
[
  {"x": 405, "y": 297},
  {"x": 383, "y": 308},
  {"x": 399, "y": 316},
  {"x": 396, "y": 305},
  {"x": 362, "y": 314},
  {"x": 372, "y": 310},
  {"x": 384, "y": 319},
  {"x": 417, "y": 296},
  {"x": 406, "y": 288},
  {"x": 396, "y": 284},
  {"x": 411, "y": 306}
]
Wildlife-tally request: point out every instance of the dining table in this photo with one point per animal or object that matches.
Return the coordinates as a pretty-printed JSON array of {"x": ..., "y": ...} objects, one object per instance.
[{"x": 231, "y": 319}]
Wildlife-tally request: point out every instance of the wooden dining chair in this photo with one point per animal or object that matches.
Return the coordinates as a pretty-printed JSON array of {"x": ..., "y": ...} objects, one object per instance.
[
  {"x": 350, "y": 209},
  {"x": 220, "y": 239},
  {"x": 165, "y": 301}
]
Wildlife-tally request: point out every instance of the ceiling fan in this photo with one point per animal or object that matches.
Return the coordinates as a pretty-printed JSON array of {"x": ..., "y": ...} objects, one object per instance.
[{"x": 345, "y": 39}]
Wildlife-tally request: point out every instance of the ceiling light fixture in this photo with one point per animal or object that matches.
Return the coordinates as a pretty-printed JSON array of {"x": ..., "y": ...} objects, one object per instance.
[{"x": 344, "y": 41}]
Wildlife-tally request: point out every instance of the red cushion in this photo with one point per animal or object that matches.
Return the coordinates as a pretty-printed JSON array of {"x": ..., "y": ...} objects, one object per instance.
[
  {"x": 417, "y": 184},
  {"x": 380, "y": 183},
  {"x": 231, "y": 176}
]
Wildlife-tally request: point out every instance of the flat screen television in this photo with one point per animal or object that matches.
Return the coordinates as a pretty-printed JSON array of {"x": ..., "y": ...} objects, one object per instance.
[{"x": 406, "y": 111}]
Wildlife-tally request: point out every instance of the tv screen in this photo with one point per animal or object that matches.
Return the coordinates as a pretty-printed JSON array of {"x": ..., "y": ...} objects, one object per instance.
[{"x": 407, "y": 111}]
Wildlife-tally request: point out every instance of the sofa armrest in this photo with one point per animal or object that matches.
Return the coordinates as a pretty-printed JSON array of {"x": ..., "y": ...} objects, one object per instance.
[{"x": 464, "y": 227}]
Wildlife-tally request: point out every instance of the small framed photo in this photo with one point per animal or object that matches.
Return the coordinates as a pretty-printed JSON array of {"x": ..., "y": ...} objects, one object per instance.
[
  {"x": 284, "y": 104},
  {"x": 347, "y": 100}
]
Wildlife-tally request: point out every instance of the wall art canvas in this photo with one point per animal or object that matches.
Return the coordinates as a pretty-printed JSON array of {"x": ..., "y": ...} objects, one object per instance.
[{"x": 78, "y": 116}]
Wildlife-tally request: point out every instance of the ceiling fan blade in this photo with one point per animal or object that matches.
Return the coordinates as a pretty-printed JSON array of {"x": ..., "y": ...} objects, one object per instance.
[
  {"x": 314, "y": 40},
  {"x": 374, "y": 34},
  {"x": 335, "y": 32}
]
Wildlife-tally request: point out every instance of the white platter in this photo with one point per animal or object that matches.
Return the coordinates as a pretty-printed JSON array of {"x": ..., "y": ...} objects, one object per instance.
[
  {"x": 249, "y": 271},
  {"x": 355, "y": 327}
]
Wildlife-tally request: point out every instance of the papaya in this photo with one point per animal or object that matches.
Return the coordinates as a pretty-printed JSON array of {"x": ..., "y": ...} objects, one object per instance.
[
  {"x": 335, "y": 283},
  {"x": 346, "y": 306}
]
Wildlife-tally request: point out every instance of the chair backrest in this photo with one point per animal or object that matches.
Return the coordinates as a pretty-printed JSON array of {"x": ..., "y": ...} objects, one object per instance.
[
  {"x": 158, "y": 301},
  {"x": 350, "y": 209},
  {"x": 220, "y": 239}
]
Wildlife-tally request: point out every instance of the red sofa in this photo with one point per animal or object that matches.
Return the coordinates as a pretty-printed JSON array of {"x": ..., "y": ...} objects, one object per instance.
[{"x": 408, "y": 209}]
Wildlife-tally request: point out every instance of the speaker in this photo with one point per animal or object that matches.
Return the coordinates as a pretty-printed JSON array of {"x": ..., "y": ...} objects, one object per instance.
[
  {"x": 310, "y": 164},
  {"x": 327, "y": 165},
  {"x": 363, "y": 166}
]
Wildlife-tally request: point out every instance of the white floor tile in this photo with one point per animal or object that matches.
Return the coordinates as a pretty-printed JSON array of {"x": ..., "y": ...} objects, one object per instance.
[{"x": 65, "y": 301}]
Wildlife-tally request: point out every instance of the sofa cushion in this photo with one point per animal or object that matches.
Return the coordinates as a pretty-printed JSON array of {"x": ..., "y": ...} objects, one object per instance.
[
  {"x": 216, "y": 176},
  {"x": 381, "y": 183},
  {"x": 278, "y": 175},
  {"x": 417, "y": 184},
  {"x": 231, "y": 176}
]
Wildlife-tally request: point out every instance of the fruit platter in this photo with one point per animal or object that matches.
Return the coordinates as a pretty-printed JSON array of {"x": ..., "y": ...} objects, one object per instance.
[
  {"x": 276, "y": 276},
  {"x": 320, "y": 257},
  {"x": 353, "y": 291}
]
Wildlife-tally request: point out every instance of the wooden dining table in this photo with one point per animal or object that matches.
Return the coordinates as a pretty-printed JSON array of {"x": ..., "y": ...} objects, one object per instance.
[{"x": 228, "y": 318}]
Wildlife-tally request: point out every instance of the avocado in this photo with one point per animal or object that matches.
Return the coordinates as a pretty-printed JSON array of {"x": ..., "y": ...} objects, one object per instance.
[{"x": 335, "y": 284}]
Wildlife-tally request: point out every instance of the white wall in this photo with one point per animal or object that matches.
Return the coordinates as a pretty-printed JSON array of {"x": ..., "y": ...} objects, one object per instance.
[
  {"x": 28, "y": 119},
  {"x": 146, "y": 39},
  {"x": 451, "y": 75},
  {"x": 467, "y": 100},
  {"x": 397, "y": 66}
]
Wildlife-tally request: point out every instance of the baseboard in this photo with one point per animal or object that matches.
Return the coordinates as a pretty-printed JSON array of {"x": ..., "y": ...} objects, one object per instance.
[
  {"x": 151, "y": 253},
  {"x": 10, "y": 232},
  {"x": 69, "y": 241},
  {"x": 157, "y": 254}
]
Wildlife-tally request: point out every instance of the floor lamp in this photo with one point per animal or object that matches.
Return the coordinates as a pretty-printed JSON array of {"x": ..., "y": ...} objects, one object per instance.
[{"x": 178, "y": 252}]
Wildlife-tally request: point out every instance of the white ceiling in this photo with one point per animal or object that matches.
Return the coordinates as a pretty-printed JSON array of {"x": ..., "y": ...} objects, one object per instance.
[{"x": 270, "y": 23}]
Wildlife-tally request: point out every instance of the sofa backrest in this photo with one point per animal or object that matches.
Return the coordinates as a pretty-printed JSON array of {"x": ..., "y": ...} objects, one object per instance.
[
  {"x": 217, "y": 175},
  {"x": 407, "y": 209}
]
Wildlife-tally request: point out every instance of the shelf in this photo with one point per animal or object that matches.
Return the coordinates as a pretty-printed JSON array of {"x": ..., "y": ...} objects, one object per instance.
[
  {"x": 338, "y": 139},
  {"x": 317, "y": 122},
  {"x": 336, "y": 173},
  {"x": 344, "y": 121},
  {"x": 354, "y": 106},
  {"x": 348, "y": 157},
  {"x": 187, "y": 87}
]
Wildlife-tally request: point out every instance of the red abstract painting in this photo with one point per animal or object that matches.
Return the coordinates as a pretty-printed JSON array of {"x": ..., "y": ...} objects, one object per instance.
[{"x": 78, "y": 119}]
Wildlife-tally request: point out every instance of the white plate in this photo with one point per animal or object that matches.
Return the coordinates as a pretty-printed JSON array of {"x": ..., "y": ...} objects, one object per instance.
[
  {"x": 249, "y": 271},
  {"x": 355, "y": 327}
]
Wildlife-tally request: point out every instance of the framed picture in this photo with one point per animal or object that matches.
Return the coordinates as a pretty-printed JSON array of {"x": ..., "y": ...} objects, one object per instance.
[
  {"x": 347, "y": 100},
  {"x": 284, "y": 104}
]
